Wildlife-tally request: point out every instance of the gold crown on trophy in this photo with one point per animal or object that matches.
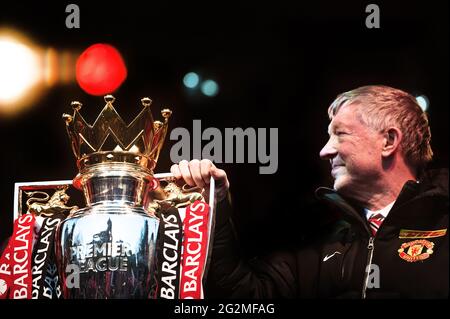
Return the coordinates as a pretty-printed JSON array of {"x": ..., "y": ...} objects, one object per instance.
[{"x": 110, "y": 140}]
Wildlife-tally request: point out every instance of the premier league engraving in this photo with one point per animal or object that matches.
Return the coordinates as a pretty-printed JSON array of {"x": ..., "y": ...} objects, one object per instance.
[{"x": 108, "y": 249}]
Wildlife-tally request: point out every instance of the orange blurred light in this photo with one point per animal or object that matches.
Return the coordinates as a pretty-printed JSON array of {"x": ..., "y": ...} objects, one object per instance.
[
  {"x": 59, "y": 66},
  {"x": 20, "y": 72},
  {"x": 51, "y": 72},
  {"x": 27, "y": 71}
]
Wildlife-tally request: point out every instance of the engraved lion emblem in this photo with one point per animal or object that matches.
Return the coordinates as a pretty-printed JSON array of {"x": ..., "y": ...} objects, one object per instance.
[
  {"x": 174, "y": 196},
  {"x": 180, "y": 197},
  {"x": 45, "y": 205}
]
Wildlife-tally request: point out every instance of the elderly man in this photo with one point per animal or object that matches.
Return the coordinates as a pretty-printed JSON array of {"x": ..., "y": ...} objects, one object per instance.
[{"x": 390, "y": 237}]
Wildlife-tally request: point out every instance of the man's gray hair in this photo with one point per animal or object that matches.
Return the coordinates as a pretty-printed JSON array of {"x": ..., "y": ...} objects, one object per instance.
[{"x": 381, "y": 107}]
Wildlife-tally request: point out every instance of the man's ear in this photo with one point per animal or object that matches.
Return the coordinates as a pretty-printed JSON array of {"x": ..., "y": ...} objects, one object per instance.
[{"x": 391, "y": 141}]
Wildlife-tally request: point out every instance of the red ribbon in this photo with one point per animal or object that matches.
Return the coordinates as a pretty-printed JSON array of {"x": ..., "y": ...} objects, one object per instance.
[
  {"x": 15, "y": 263},
  {"x": 195, "y": 242},
  {"x": 5, "y": 273}
]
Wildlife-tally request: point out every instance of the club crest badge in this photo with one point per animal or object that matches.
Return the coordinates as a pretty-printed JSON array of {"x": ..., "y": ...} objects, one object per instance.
[{"x": 416, "y": 250}]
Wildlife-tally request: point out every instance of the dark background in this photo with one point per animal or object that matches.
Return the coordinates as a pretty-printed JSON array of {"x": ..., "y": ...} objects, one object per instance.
[{"x": 278, "y": 64}]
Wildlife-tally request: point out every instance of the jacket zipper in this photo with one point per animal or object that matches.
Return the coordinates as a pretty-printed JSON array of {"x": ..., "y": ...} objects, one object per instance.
[{"x": 370, "y": 248}]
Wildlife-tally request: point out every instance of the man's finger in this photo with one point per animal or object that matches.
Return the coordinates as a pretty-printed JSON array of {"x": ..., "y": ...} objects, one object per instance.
[
  {"x": 218, "y": 174},
  {"x": 185, "y": 173},
  {"x": 175, "y": 170},
  {"x": 194, "y": 168},
  {"x": 220, "y": 177},
  {"x": 205, "y": 167}
]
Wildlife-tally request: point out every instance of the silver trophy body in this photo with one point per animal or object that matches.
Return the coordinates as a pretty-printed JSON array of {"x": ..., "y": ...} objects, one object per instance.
[{"x": 107, "y": 250}]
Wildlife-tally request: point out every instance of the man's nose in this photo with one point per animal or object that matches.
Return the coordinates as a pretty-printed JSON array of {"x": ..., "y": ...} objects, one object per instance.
[{"x": 328, "y": 151}]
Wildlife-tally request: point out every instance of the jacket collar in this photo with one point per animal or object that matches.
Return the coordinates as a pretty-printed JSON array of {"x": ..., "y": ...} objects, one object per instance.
[
  {"x": 433, "y": 186},
  {"x": 344, "y": 205}
]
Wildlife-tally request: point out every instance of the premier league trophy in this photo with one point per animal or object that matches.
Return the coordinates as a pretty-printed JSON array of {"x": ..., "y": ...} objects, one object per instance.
[
  {"x": 140, "y": 235},
  {"x": 108, "y": 249}
]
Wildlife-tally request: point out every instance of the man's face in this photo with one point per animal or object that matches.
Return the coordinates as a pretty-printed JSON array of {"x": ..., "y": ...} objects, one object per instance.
[{"x": 354, "y": 152}]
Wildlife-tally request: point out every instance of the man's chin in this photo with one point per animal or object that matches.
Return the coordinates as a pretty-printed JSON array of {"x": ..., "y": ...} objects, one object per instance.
[
  {"x": 345, "y": 188},
  {"x": 341, "y": 185}
]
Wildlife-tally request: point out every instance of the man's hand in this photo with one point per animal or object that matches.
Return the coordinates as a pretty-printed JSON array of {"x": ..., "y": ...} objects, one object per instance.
[{"x": 198, "y": 173}]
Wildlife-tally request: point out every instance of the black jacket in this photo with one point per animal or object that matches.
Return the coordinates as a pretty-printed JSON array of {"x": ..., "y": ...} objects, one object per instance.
[{"x": 336, "y": 265}]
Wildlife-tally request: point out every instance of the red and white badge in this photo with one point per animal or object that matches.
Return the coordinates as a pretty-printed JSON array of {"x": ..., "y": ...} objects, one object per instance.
[{"x": 416, "y": 250}]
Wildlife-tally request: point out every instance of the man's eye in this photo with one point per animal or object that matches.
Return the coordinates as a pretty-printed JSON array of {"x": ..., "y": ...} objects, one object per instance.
[{"x": 338, "y": 133}]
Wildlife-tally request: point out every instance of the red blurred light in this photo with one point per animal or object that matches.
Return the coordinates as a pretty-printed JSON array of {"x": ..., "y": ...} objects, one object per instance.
[{"x": 100, "y": 69}]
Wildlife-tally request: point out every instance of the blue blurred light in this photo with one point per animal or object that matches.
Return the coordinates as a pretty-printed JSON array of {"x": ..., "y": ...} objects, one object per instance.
[
  {"x": 191, "y": 80},
  {"x": 423, "y": 102},
  {"x": 210, "y": 88}
]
